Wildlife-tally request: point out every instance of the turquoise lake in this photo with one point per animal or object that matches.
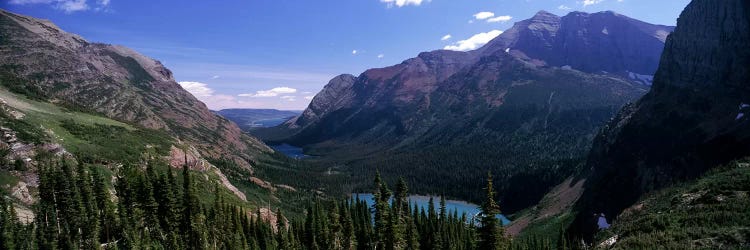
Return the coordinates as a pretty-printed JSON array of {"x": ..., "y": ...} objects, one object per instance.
[{"x": 451, "y": 205}]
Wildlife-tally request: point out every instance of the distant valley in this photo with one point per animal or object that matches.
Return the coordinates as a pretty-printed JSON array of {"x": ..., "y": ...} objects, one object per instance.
[{"x": 251, "y": 119}]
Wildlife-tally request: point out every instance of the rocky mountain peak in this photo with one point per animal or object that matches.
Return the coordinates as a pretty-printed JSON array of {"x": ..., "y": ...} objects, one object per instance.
[
  {"x": 544, "y": 16},
  {"x": 333, "y": 96},
  {"x": 603, "y": 42}
]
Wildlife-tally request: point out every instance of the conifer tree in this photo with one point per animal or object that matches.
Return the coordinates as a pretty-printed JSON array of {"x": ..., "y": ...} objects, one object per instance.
[
  {"x": 382, "y": 195},
  {"x": 8, "y": 223},
  {"x": 90, "y": 225},
  {"x": 190, "y": 208},
  {"x": 281, "y": 231},
  {"x": 347, "y": 226},
  {"x": 491, "y": 233},
  {"x": 107, "y": 220}
]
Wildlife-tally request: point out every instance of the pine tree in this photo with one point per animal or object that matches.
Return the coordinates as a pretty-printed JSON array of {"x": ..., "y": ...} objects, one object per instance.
[
  {"x": 90, "y": 218},
  {"x": 491, "y": 235},
  {"x": 281, "y": 231},
  {"x": 190, "y": 208},
  {"x": 107, "y": 220},
  {"x": 46, "y": 215},
  {"x": 8, "y": 223},
  {"x": 382, "y": 195},
  {"x": 347, "y": 226}
]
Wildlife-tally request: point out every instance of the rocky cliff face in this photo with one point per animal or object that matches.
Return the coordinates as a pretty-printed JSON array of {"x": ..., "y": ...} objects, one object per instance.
[
  {"x": 694, "y": 117},
  {"x": 115, "y": 81},
  {"x": 399, "y": 101}
]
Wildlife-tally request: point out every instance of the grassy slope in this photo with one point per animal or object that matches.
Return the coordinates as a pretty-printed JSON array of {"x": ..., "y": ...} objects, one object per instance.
[
  {"x": 102, "y": 140},
  {"x": 711, "y": 212},
  {"x": 95, "y": 139}
]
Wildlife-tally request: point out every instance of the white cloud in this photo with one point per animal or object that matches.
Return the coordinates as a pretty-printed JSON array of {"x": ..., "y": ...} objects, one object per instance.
[
  {"x": 310, "y": 97},
  {"x": 198, "y": 89},
  {"x": 354, "y": 52},
  {"x": 563, "y": 7},
  {"x": 499, "y": 19},
  {"x": 474, "y": 41},
  {"x": 271, "y": 92},
  {"x": 402, "y": 3},
  {"x": 589, "y": 2},
  {"x": 380, "y": 56},
  {"x": 73, "y": 6},
  {"x": 248, "y": 73},
  {"x": 31, "y": 1},
  {"x": 446, "y": 37},
  {"x": 483, "y": 15},
  {"x": 289, "y": 98},
  {"x": 68, "y": 6}
]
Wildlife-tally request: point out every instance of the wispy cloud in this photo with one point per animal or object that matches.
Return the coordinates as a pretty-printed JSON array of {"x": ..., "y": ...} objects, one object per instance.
[
  {"x": 589, "y": 2},
  {"x": 483, "y": 15},
  {"x": 289, "y": 98},
  {"x": 380, "y": 56},
  {"x": 67, "y": 6},
  {"x": 499, "y": 19},
  {"x": 248, "y": 72},
  {"x": 271, "y": 92},
  {"x": 218, "y": 101},
  {"x": 446, "y": 37},
  {"x": 474, "y": 41},
  {"x": 354, "y": 52},
  {"x": 563, "y": 7},
  {"x": 402, "y": 3},
  {"x": 490, "y": 17},
  {"x": 198, "y": 89}
]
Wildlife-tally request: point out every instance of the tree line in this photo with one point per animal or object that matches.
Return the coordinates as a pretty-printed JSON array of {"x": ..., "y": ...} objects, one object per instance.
[{"x": 152, "y": 208}]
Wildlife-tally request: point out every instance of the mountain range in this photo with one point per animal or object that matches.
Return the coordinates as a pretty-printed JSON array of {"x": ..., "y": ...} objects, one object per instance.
[{"x": 527, "y": 104}]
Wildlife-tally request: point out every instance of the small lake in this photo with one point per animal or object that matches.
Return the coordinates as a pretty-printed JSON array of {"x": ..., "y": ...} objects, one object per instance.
[
  {"x": 267, "y": 123},
  {"x": 451, "y": 205},
  {"x": 289, "y": 150}
]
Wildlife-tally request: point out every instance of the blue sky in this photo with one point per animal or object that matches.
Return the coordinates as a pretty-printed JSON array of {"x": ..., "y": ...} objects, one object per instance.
[{"x": 279, "y": 53}]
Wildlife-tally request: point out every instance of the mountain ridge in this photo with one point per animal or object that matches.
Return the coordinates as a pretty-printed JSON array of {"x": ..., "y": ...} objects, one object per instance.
[
  {"x": 115, "y": 81},
  {"x": 517, "y": 111},
  {"x": 420, "y": 76}
]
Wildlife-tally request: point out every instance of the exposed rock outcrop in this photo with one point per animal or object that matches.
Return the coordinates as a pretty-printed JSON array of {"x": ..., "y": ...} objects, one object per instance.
[{"x": 692, "y": 119}]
